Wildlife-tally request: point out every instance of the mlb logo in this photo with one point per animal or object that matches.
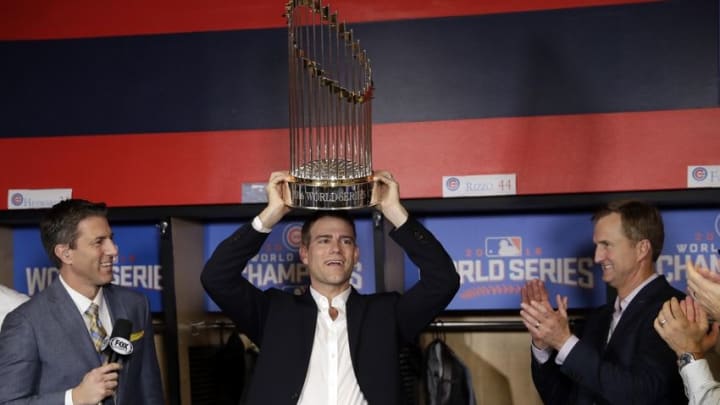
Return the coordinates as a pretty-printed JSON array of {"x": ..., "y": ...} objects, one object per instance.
[{"x": 503, "y": 246}]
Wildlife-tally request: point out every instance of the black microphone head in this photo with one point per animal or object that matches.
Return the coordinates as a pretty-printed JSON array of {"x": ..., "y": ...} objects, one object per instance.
[
  {"x": 122, "y": 328},
  {"x": 119, "y": 343}
]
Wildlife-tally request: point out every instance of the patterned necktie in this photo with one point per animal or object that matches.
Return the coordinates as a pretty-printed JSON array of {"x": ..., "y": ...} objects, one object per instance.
[{"x": 97, "y": 332}]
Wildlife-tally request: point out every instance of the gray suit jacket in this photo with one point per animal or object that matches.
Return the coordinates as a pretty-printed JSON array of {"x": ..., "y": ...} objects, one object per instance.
[{"x": 45, "y": 349}]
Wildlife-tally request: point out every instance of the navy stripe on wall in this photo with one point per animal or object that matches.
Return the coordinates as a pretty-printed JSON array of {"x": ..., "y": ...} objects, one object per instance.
[{"x": 602, "y": 59}]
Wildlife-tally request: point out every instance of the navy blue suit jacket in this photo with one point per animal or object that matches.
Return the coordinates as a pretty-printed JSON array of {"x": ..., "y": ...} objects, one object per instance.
[
  {"x": 635, "y": 367},
  {"x": 283, "y": 325}
]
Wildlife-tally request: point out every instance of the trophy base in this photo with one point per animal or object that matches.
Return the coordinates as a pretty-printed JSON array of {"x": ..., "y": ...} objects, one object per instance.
[{"x": 328, "y": 195}]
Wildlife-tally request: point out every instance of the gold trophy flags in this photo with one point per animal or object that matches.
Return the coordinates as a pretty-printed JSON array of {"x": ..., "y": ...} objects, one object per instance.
[{"x": 330, "y": 101}]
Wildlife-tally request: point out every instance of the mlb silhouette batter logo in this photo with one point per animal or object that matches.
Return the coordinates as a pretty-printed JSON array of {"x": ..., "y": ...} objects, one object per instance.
[{"x": 503, "y": 246}]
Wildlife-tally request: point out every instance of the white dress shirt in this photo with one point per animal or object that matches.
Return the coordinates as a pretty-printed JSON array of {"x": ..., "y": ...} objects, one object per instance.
[
  {"x": 82, "y": 303},
  {"x": 700, "y": 386},
  {"x": 330, "y": 378}
]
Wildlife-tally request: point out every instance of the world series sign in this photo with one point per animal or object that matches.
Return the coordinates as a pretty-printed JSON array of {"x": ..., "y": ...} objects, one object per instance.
[{"x": 496, "y": 255}]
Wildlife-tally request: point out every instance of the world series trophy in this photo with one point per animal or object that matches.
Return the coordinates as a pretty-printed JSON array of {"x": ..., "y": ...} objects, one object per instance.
[{"x": 330, "y": 83}]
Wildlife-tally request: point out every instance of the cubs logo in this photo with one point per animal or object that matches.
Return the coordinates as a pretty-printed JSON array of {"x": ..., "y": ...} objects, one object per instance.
[
  {"x": 699, "y": 173},
  {"x": 17, "y": 199},
  {"x": 452, "y": 183},
  {"x": 292, "y": 237}
]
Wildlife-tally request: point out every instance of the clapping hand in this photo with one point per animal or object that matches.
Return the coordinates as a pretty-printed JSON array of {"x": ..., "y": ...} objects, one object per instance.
[{"x": 548, "y": 327}]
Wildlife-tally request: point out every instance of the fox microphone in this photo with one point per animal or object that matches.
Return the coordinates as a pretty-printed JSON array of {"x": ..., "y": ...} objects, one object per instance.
[{"x": 119, "y": 345}]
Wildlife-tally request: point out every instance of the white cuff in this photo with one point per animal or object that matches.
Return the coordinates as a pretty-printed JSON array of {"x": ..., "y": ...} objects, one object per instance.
[
  {"x": 541, "y": 355},
  {"x": 258, "y": 225},
  {"x": 699, "y": 381},
  {"x": 566, "y": 349}
]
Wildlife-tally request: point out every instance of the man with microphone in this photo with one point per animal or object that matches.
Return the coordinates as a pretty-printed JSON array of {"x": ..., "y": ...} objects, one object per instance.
[{"x": 51, "y": 347}]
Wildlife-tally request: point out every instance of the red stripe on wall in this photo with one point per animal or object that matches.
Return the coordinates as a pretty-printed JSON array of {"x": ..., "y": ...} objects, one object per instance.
[
  {"x": 46, "y": 19},
  {"x": 552, "y": 154}
]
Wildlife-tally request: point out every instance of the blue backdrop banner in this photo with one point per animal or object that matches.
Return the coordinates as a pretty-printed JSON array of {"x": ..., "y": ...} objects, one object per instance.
[
  {"x": 496, "y": 255},
  {"x": 278, "y": 264},
  {"x": 138, "y": 266}
]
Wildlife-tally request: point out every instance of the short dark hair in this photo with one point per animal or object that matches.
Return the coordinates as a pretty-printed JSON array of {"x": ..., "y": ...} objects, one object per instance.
[
  {"x": 640, "y": 220},
  {"x": 59, "y": 225},
  {"x": 339, "y": 214}
]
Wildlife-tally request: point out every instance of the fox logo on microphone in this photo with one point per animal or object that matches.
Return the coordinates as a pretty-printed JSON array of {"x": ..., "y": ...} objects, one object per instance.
[{"x": 119, "y": 345}]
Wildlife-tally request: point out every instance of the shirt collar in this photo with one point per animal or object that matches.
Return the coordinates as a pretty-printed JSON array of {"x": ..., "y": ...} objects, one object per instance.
[
  {"x": 82, "y": 302},
  {"x": 338, "y": 302},
  {"x": 626, "y": 301}
]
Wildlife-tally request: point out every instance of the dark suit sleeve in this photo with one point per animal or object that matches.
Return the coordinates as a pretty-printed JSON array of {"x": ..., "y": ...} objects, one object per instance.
[
  {"x": 646, "y": 381},
  {"x": 438, "y": 282},
  {"x": 636, "y": 366},
  {"x": 20, "y": 365},
  {"x": 553, "y": 386},
  {"x": 222, "y": 278}
]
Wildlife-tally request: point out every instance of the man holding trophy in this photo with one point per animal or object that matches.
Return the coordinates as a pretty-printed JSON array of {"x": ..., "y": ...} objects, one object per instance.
[{"x": 331, "y": 345}]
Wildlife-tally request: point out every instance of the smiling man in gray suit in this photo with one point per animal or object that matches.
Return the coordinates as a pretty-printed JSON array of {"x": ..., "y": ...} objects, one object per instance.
[{"x": 50, "y": 350}]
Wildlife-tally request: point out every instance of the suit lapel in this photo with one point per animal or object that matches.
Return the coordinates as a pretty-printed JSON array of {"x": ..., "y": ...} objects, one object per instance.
[
  {"x": 639, "y": 303},
  {"x": 70, "y": 321},
  {"x": 117, "y": 310},
  {"x": 596, "y": 327},
  {"x": 307, "y": 323},
  {"x": 356, "y": 305},
  {"x": 116, "y": 307}
]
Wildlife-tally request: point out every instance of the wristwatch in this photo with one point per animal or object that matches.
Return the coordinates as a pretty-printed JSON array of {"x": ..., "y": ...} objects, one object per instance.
[{"x": 687, "y": 358}]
